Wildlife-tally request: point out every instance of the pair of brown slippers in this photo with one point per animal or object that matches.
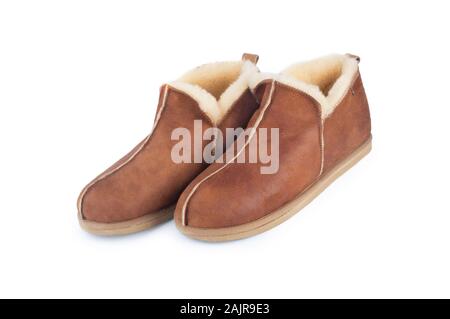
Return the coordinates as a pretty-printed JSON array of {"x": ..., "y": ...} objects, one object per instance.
[{"x": 234, "y": 152}]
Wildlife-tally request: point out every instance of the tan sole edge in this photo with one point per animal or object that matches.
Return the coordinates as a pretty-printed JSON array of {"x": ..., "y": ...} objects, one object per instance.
[
  {"x": 126, "y": 227},
  {"x": 282, "y": 214}
]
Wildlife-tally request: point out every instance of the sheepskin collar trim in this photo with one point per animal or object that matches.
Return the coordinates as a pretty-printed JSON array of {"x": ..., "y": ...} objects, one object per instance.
[
  {"x": 204, "y": 82},
  {"x": 326, "y": 79}
]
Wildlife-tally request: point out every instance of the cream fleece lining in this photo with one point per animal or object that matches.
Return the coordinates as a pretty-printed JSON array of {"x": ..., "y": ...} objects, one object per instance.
[
  {"x": 326, "y": 79},
  {"x": 216, "y": 86}
]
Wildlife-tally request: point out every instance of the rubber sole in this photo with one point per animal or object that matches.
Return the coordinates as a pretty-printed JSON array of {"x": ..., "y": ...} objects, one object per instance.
[
  {"x": 129, "y": 226},
  {"x": 282, "y": 214}
]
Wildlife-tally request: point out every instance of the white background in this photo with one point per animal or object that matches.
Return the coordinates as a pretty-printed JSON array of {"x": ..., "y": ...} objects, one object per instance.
[{"x": 79, "y": 85}]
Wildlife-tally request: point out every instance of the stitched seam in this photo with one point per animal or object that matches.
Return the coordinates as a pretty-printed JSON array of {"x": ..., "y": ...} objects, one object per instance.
[
  {"x": 206, "y": 117},
  {"x": 251, "y": 135},
  {"x": 355, "y": 77},
  {"x": 321, "y": 125},
  {"x": 132, "y": 156},
  {"x": 322, "y": 147},
  {"x": 322, "y": 121},
  {"x": 233, "y": 105},
  {"x": 352, "y": 83}
]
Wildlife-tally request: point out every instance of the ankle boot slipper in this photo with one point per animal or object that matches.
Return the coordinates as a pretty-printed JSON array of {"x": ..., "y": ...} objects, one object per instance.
[
  {"x": 141, "y": 189},
  {"x": 321, "y": 112}
]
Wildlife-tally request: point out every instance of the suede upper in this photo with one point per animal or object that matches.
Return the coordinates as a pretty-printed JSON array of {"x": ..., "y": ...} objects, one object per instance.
[
  {"x": 233, "y": 194},
  {"x": 147, "y": 180}
]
